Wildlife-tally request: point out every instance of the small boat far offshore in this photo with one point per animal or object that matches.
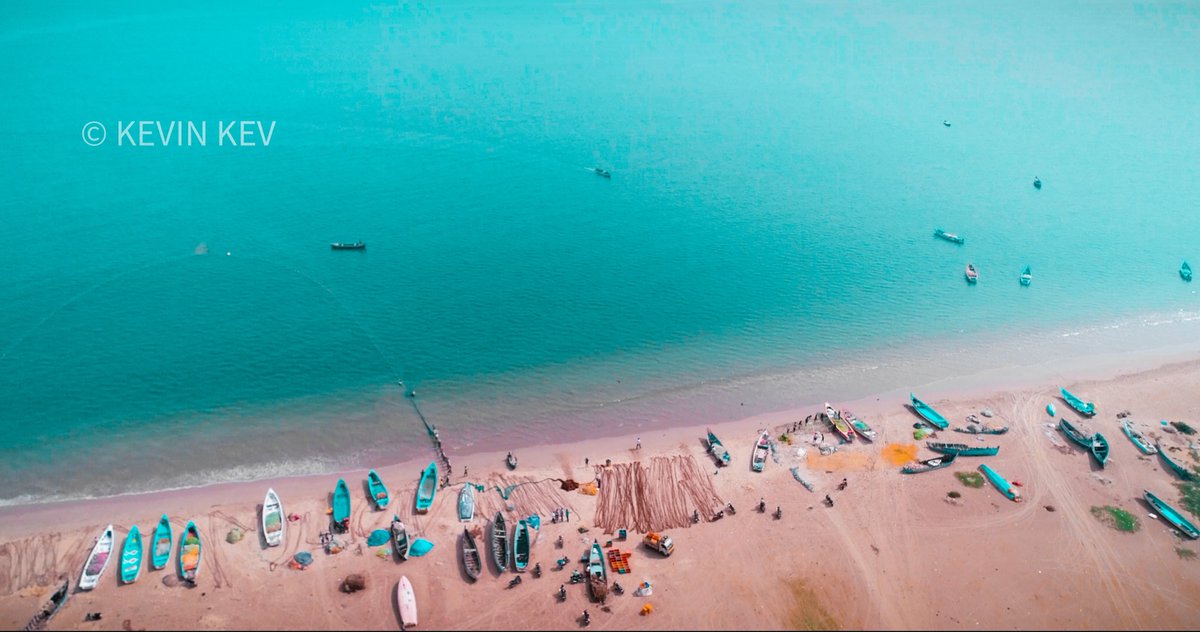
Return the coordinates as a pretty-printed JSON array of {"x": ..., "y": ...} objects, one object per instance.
[
  {"x": 951, "y": 237},
  {"x": 972, "y": 273},
  {"x": 604, "y": 173},
  {"x": 946, "y": 123},
  {"x": 1185, "y": 271},
  {"x": 343, "y": 245},
  {"x": 1037, "y": 182},
  {"x": 1026, "y": 276}
]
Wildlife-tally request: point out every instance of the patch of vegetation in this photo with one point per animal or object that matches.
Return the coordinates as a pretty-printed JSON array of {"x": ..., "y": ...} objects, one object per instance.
[
  {"x": 807, "y": 612},
  {"x": 1117, "y": 518},
  {"x": 970, "y": 479},
  {"x": 953, "y": 494},
  {"x": 1191, "y": 497},
  {"x": 1185, "y": 554},
  {"x": 1184, "y": 428}
]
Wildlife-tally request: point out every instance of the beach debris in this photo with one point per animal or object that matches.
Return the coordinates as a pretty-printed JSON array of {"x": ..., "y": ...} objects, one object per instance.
[
  {"x": 921, "y": 433},
  {"x": 1123, "y": 414},
  {"x": 293, "y": 517},
  {"x": 987, "y": 412},
  {"x": 569, "y": 485},
  {"x": 92, "y": 616},
  {"x": 827, "y": 449},
  {"x": 235, "y": 535},
  {"x": 302, "y": 560},
  {"x": 589, "y": 488},
  {"x": 796, "y": 475},
  {"x": 378, "y": 536},
  {"x": 644, "y": 589},
  {"x": 1050, "y": 508},
  {"x": 170, "y": 581},
  {"x": 354, "y": 583},
  {"x": 646, "y": 609},
  {"x": 334, "y": 546}
]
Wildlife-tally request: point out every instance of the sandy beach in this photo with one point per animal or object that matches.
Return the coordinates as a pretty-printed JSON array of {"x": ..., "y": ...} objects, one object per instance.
[{"x": 893, "y": 552}]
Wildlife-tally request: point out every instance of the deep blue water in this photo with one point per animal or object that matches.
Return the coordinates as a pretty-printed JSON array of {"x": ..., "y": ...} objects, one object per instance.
[{"x": 778, "y": 170}]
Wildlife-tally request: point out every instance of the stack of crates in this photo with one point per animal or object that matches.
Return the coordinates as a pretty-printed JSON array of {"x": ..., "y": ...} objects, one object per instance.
[{"x": 618, "y": 561}]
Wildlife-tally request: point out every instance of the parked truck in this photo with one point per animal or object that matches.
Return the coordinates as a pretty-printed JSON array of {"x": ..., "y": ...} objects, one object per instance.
[{"x": 659, "y": 542}]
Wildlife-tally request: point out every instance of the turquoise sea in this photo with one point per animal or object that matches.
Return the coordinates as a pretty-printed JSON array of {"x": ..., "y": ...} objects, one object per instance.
[{"x": 174, "y": 315}]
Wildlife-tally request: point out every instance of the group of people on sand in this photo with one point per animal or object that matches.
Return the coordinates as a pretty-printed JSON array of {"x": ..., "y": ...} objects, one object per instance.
[{"x": 562, "y": 514}]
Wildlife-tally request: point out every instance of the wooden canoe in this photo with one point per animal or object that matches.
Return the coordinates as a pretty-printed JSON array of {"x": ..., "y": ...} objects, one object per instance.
[
  {"x": 499, "y": 542},
  {"x": 472, "y": 562}
]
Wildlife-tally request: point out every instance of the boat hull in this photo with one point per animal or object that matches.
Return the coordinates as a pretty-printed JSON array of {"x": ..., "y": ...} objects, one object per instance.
[
  {"x": 273, "y": 520},
  {"x": 97, "y": 560},
  {"x": 406, "y": 603},
  {"x": 1171, "y": 515},
  {"x": 131, "y": 556},
  {"x": 962, "y": 449},
  {"x": 1087, "y": 409},
  {"x": 1175, "y": 468},
  {"x": 499, "y": 542},
  {"x": 928, "y": 413},
  {"x": 929, "y": 465},
  {"x": 1000, "y": 483},
  {"x": 379, "y": 492},
  {"x": 427, "y": 487},
  {"x": 399, "y": 538},
  {"x": 190, "y": 552},
  {"x": 472, "y": 563},
  {"x": 520, "y": 546},
  {"x": 597, "y": 574},
  {"x": 341, "y": 505},
  {"x": 162, "y": 544},
  {"x": 761, "y": 449},
  {"x": 717, "y": 449},
  {"x": 1138, "y": 439}
]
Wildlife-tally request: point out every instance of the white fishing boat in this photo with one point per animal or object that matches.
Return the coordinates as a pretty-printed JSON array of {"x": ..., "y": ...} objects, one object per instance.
[
  {"x": 272, "y": 519},
  {"x": 466, "y": 503},
  {"x": 97, "y": 561}
]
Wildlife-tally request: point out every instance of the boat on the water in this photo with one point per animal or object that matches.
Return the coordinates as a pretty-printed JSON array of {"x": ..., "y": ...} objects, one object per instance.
[
  {"x": 605, "y": 173},
  {"x": 717, "y": 449},
  {"x": 972, "y": 273},
  {"x": 928, "y": 413},
  {"x": 131, "y": 556},
  {"x": 927, "y": 465},
  {"x": 974, "y": 429},
  {"x": 962, "y": 449},
  {"x": 51, "y": 607},
  {"x": 597, "y": 575},
  {"x": 1037, "y": 182},
  {"x": 948, "y": 236},
  {"x": 1026, "y": 276},
  {"x": 406, "y": 603},
  {"x": 341, "y": 506},
  {"x": 1099, "y": 449},
  {"x": 859, "y": 426},
  {"x": 427, "y": 487},
  {"x": 1074, "y": 434},
  {"x": 1087, "y": 409},
  {"x": 1137, "y": 438},
  {"x": 835, "y": 418},
  {"x": 466, "y": 503},
  {"x": 1171, "y": 515},
  {"x": 189, "y": 552},
  {"x": 343, "y": 245},
  {"x": 1185, "y": 271},
  {"x": 472, "y": 562},
  {"x": 946, "y": 123},
  {"x": 97, "y": 560},
  {"x": 762, "y": 448},
  {"x": 1176, "y": 469},
  {"x": 162, "y": 543},
  {"x": 520, "y": 545},
  {"x": 500, "y": 542},
  {"x": 1000, "y": 483},
  {"x": 272, "y": 519},
  {"x": 399, "y": 538},
  {"x": 379, "y": 492}
]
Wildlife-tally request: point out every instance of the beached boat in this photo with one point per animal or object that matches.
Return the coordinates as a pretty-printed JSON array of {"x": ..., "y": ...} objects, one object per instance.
[
  {"x": 162, "y": 543},
  {"x": 510, "y": 461},
  {"x": 948, "y": 236},
  {"x": 341, "y": 505},
  {"x": 1050, "y": 410},
  {"x": 500, "y": 542},
  {"x": 927, "y": 465},
  {"x": 466, "y": 503},
  {"x": 427, "y": 487},
  {"x": 1137, "y": 438},
  {"x": 1037, "y": 182},
  {"x": 399, "y": 538},
  {"x": 1185, "y": 271},
  {"x": 1000, "y": 483},
  {"x": 602, "y": 172},
  {"x": 379, "y": 492},
  {"x": 97, "y": 560},
  {"x": 928, "y": 413},
  {"x": 472, "y": 562},
  {"x": 839, "y": 424},
  {"x": 1087, "y": 409},
  {"x": 520, "y": 546},
  {"x": 597, "y": 575},
  {"x": 859, "y": 426},
  {"x": 1099, "y": 449},
  {"x": 1074, "y": 434},
  {"x": 342, "y": 245},
  {"x": 717, "y": 449},
  {"x": 962, "y": 449},
  {"x": 406, "y": 603},
  {"x": 131, "y": 556},
  {"x": 972, "y": 273},
  {"x": 272, "y": 519},
  {"x": 189, "y": 552},
  {"x": 1176, "y": 469},
  {"x": 51, "y": 607},
  {"x": 762, "y": 449},
  {"x": 978, "y": 430},
  {"x": 1171, "y": 515},
  {"x": 1026, "y": 276}
]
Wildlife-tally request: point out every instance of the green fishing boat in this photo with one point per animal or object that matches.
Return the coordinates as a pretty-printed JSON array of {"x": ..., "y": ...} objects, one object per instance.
[
  {"x": 131, "y": 556},
  {"x": 162, "y": 544},
  {"x": 1000, "y": 483},
  {"x": 962, "y": 449},
  {"x": 928, "y": 413},
  {"x": 597, "y": 575},
  {"x": 1074, "y": 434},
  {"x": 520, "y": 552},
  {"x": 427, "y": 487},
  {"x": 1185, "y": 271},
  {"x": 1172, "y": 516},
  {"x": 717, "y": 449},
  {"x": 1099, "y": 449},
  {"x": 1087, "y": 409},
  {"x": 951, "y": 237},
  {"x": 189, "y": 553},
  {"x": 1177, "y": 469},
  {"x": 379, "y": 492},
  {"x": 399, "y": 538},
  {"x": 1026, "y": 276},
  {"x": 928, "y": 465},
  {"x": 1137, "y": 438},
  {"x": 341, "y": 505}
]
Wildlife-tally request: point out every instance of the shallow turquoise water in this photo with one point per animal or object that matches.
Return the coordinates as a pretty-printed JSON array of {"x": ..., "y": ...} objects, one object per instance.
[{"x": 778, "y": 170}]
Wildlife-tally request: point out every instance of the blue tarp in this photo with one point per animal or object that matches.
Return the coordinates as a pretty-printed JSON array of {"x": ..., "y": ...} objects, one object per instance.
[
  {"x": 377, "y": 537},
  {"x": 420, "y": 547},
  {"x": 303, "y": 558}
]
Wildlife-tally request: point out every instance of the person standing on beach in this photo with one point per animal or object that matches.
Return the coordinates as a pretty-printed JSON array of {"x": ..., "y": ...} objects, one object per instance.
[
  {"x": 568, "y": 514},
  {"x": 639, "y": 444},
  {"x": 585, "y": 461}
]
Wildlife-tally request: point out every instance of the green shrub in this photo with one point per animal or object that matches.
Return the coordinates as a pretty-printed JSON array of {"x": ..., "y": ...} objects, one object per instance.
[
  {"x": 1184, "y": 428},
  {"x": 1117, "y": 518},
  {"x": 1185, "y": 554},
  {"x": 970, "y": 479}
]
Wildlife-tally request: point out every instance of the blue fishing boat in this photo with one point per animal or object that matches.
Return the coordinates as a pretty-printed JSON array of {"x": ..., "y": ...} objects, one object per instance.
[
  {"x": 1171, "y": 515},
  {"x": 379, "y": 492},
  {"x": 520, "y": 546},
  {"x": 1074, "y": 434},
  {"x": 1137, "y": 438},
  {"x": 928, "y": 413},
  {"x": 162, "y": 543},
  {"x": 929, "y": 464},
  {"x": 1185, "y": 271},
  {"x": 1099, "y": 449},
  {"x": 1177, "y": 469},
  {"x": 972, "y": 274},
  {"x": 466, "y": 503},
  {"x": 1050, "y": 409},
  {"x": 427, "y": 487},
  {"x": 962, "y": 449},
  {"x": 1000, "y": 483},
  {"x": 131, "y": 556},
  {"x": 951, "y": 237},
  {"x": 1087, "y": 409},
  {"x": 597, "y": 575},
  {"x": 341, "y": 505},
  {"x": 1026, "y": 276},
  {"x": 1037, "y": 182},
  {"x": 717, "y": 449},
  {"x": 189, "y": 553}
]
